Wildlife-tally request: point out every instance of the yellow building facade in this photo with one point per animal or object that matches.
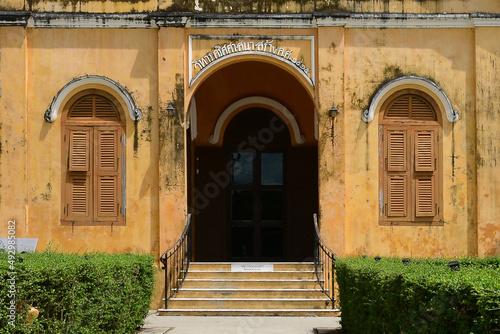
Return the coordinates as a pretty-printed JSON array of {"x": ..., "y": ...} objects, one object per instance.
[{"x": 380, "y": 116}]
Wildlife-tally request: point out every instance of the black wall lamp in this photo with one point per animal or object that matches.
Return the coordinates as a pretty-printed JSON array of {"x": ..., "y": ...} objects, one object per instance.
[
  {"x": 170, "y": 110},
  {"x": 333, "y": 112}
]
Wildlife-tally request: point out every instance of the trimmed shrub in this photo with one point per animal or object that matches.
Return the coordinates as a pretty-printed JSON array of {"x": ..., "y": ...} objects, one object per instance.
[
  {"x": 89, "y": 293},
  {"x": 424, "y": 296}
]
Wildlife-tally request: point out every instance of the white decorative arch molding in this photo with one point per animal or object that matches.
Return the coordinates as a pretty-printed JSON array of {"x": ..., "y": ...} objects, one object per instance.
[
  {"x": 193, "y": 119},
  {"x": 253, "y": 45},
  {"x": 93, "y": 81},
  {"x": 258, "y": 53},
  {"x": 274, "y": 105},
  {"x": 416, "y": 81}
]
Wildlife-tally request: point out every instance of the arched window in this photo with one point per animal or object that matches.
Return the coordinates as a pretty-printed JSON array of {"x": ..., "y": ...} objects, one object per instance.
[
  {"x": 93, "y": 160},
  {"x": 411, "y": 159}
]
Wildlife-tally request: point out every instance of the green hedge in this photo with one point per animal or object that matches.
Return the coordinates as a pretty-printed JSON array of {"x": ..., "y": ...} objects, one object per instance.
[
  {"x": 90, "y": 293},
  {"x": 424, "y": 296}
]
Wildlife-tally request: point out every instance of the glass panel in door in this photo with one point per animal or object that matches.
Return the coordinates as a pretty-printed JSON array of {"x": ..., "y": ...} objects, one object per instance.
[{"x": 257, "y": 206}]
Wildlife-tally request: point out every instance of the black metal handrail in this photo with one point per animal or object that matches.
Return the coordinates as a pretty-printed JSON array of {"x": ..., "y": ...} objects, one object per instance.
[
  {"x": 176, "y": 262},
  {"x": 324, "y": 263}
]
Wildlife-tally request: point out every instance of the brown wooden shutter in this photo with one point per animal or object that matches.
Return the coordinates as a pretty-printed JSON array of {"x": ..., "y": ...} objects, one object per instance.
[
  {"x": 104, "y": 108},
  {"x": 425, "y": 169},
  {"x": 425, "y": 150},
  {"x": 107, "y": 174},
  {"x": 400, "y": 108},
  {"x": 107, "y": 146},
  {"x": 397, "y": 147},
  {"x": 79, "y": 205},
  {"x": 411, "y": 106},
  {"x": 107, "y": 199},
  {"x": 426, "y": 204},
  {"x": 78, "y": 182},
  {"x": 79, "y": 149},
  {"x": 421, "y": 109},
  {"x": 397, "y": 193},
  {"x": 82, "y": 108},
  {"x": 397, "y": 173}
]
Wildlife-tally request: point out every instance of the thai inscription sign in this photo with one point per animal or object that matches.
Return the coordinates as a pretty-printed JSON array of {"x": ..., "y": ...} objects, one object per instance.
[{"x": 297, "y": 51}]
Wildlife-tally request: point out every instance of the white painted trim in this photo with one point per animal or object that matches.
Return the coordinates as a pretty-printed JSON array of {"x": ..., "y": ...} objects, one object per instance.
[
  {"x": 311, "y": 80},
  {"x": 451, "y": 114},
  {"x": 330, "y": 22},
  {"x": 439, "y": 22},
  {"x": 93, "y": 81},
  {"x": 193, "y": 119},
  {"x": 411, "y": 23},
  {"x": 406, "y": 21},
  {"x": 205, "y": 20},
  {"x": 349, "y": 21},
  {"x": 190, "y": 59},
  {"x": 316, "y": 125},
  {"x": 258, "y": 22},
  {"x": 260, "y": 100},
  {"x": 480, "y": 22}
]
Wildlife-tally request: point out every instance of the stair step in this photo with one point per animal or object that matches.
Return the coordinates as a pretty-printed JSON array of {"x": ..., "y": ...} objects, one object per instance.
[
  {"x": 251, "y": 312},
  {"x": 249, "y": 293},
  {"x": 226, "y": 266},
  {"x": 249, "y": 283},
  {"x": 246, "y": 303},
  {"x": 255, "y": 275}
]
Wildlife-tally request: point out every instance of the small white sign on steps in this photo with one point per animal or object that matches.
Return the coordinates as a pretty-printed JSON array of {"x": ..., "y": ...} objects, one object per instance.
[{"x": 242, "y": 267}]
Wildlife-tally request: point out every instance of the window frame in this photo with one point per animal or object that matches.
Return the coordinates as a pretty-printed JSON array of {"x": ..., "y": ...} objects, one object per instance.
[
  {"x": 95, "y": 127},
  {"x": 412, "y": 127}
]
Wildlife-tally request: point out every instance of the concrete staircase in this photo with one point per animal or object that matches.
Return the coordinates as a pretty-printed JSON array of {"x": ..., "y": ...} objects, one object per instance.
[{"x": 257, "y": 289}]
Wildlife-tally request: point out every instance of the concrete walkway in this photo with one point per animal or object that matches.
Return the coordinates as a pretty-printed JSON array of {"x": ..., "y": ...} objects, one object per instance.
[{"x": 239, "y": 325}]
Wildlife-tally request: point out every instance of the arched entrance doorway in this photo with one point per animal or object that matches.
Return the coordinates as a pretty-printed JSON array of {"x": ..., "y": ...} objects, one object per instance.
[{"x": 253, "y": 180}]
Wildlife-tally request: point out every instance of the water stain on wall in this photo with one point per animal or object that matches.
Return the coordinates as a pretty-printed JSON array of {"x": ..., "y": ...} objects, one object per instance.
[
  {"x": 147, "y": 119},
  {"x": 171, "y": 135},
  {"x": 31, "y": 4}
]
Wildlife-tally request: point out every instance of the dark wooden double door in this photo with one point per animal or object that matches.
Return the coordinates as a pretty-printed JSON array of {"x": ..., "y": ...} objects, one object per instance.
[{"x": 253, "y": 199}]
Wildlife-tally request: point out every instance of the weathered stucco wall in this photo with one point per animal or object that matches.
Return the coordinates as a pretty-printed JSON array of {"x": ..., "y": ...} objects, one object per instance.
[
  {"x": 39, "y": 63},
  {"x": 53, "y": 58},
  {"x": 172, "y": 154},
  {"x": 172, "y": 172},
  {"x": 331, "y": 144},
  {"x": 488, "y": 139},
  {"x": 372, "y": 58},
  {"x": 247, "y": 6},
  {"x": 13, "y": 131},
  {"x": 12, "y": 5},
  {"x": 352, "y": 65}
]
